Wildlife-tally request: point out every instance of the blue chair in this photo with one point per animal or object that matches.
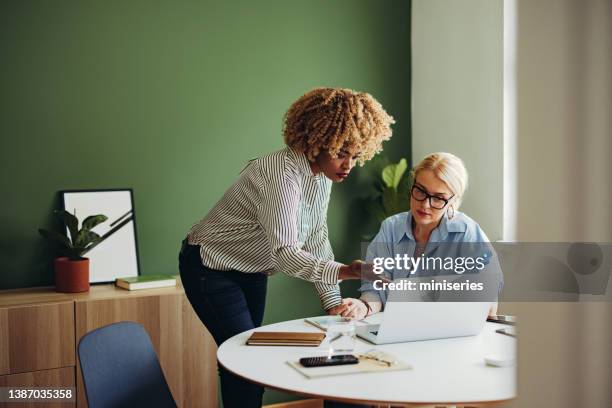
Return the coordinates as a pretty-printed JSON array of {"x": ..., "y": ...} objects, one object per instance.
[{"x": 120, "y": 368}]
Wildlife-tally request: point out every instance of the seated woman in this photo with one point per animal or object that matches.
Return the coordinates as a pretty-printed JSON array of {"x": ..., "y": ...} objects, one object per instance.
[{"x": 440, "y": 181}]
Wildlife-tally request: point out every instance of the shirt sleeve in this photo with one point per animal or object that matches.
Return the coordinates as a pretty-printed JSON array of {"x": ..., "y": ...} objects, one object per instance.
[
  {"x": 329, "y": 294},
  {"x": 318, "y": 244},
  {"x": 277, "y": 215}
]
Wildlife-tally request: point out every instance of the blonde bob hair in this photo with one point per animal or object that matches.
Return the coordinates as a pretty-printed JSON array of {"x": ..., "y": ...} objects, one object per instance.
[
  {"x": 448, "y": 168},
  {"x": 337, "y": 121}
]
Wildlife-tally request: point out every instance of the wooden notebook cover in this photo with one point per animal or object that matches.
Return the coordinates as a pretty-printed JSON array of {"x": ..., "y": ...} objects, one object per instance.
[{"x": 284, "y": 337}]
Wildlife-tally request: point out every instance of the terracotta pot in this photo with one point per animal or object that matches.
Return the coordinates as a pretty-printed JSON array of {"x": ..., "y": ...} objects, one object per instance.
[{"x": 71, "y": 276}]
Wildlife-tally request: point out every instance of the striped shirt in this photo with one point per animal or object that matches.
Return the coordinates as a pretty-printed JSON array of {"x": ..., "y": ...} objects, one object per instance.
[{"x": 273, "y": 219}]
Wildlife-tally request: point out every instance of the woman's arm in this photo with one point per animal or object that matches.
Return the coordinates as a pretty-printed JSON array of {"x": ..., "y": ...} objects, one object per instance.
[
  {"x": 360, "y": 308},
  {"x": 371, "y": 300},
  {"x": 378, "y": 248},
  {"x": 318, "y": 244}
]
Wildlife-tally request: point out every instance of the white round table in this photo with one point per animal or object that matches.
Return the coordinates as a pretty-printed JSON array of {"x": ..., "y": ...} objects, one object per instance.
[{"x": 445, "y": 371}]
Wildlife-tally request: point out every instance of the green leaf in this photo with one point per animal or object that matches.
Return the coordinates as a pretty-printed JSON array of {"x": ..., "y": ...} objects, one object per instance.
[
  {"x": 94, "y": 240},
  {"x": 387, "y": 175},
  {"x": 70, "y": 221},
  {"x": 55, "y": 236},
  {"x": 389, "y": 200},
  {"x": 377, "y": 164},
  {"x": 86, "y": 237},
  {"x": 392, "y": 174},
  {"x": 93, "y": 220},
  {"x": 406, "y": 183},
  {"x": 394, "y": 202},
  {"x": 391, "y": 188},
  {"x": 401, "y": 168}
]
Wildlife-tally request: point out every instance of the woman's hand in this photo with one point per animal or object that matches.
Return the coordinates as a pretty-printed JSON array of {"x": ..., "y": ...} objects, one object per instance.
[
  {"x": 356, "y": 309},
  {"x": 339, "y": 309},
  {"x": 360, "y": 270}
]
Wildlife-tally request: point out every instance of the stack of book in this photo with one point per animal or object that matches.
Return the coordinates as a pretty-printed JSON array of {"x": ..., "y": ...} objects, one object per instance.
[{"x": 146, "y": 282}]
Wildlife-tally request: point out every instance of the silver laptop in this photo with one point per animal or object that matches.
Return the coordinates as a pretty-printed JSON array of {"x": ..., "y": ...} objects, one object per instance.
[{"x": 418, "y": 320}]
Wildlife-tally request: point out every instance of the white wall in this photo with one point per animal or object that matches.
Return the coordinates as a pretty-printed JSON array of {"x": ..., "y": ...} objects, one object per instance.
[{"x": 457, "y": 96}]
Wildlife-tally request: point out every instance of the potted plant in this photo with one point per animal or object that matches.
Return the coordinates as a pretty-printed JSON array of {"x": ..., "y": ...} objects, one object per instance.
[
  {"x": 72, "y": 269},
  {"x": 392, "y": 191}
]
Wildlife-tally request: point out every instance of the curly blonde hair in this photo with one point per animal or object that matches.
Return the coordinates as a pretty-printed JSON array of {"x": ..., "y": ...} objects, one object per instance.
[{"x": 337, "y": 120}]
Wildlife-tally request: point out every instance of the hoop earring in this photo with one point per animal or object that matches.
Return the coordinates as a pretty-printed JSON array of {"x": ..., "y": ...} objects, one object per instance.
[{"x": 449, "y": 214}]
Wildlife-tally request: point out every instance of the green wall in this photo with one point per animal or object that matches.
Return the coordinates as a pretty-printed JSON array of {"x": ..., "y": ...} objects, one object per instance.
[{"x": 170, "y": 99}]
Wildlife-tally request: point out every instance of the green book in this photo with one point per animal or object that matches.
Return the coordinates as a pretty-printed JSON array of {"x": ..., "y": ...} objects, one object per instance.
[{"x": 146, "y": 282}]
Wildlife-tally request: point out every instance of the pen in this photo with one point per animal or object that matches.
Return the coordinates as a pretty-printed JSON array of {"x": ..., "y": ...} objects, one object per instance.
[{"x": 503, "y": 331}]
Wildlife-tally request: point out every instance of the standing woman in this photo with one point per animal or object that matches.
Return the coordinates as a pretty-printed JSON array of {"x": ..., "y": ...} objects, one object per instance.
[{"x": 273, "y": 219}]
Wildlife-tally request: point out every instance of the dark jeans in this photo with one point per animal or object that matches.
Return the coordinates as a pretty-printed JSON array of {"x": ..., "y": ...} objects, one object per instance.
[{"x": 228, "y": 303}]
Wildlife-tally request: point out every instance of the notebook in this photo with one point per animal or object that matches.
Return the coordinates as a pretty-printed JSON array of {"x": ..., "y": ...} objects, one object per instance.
[
  {"x": 146, "y": 282},
  {"x": 285, "y": 339},
  {"x": 366, "y": 365},
  {"x": 324, "y": 322}
]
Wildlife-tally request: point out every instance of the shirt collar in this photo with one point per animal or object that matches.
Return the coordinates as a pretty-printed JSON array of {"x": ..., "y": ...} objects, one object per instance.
[
  {"x": 404, "y": 229},
  {"x": 302, "y": 163},
  {"x": 439, "y": 234}
]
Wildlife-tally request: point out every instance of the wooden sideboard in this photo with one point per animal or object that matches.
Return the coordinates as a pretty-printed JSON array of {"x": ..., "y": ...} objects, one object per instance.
[{"x": 40, "y": 330}]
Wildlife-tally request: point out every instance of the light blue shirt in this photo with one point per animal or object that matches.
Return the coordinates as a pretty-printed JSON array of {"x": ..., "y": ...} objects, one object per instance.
[{"x": 395, "y": 237}]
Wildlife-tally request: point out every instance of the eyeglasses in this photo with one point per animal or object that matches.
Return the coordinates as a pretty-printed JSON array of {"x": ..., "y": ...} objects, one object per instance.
[
  {"x": 379, "y": 357},
  {"x": 434, "y": 201}
]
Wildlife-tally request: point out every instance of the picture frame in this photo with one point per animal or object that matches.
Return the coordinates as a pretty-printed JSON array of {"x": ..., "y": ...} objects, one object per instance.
[{"x": 116, "y": 255}]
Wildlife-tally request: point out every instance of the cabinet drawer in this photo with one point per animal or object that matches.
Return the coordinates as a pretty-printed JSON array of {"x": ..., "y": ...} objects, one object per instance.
[
  {"x": 36, "y": 337},
  {"x": 4, "y": 342},
  {"x": 57, "y": 378}
]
